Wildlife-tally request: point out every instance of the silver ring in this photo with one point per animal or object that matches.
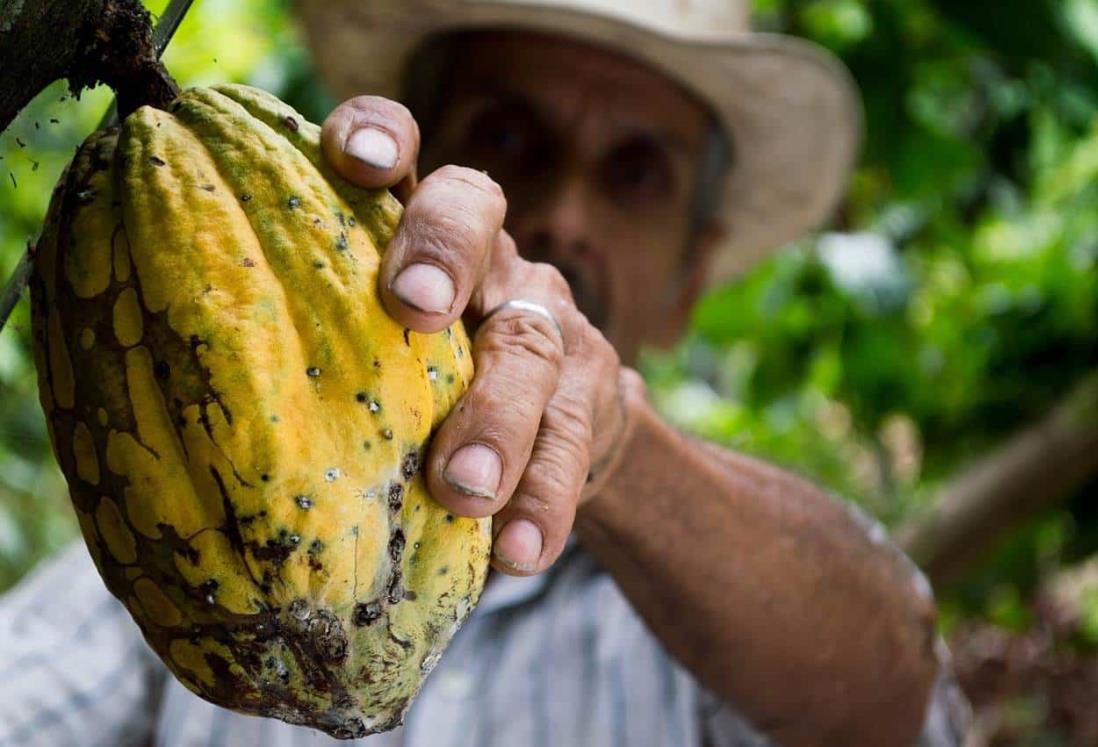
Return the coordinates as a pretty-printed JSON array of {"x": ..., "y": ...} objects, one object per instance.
[{"x": 521, "y": 304}]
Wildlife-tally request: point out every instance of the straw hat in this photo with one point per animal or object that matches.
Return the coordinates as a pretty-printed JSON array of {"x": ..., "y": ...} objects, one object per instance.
[{"x": 790, "y": 108}]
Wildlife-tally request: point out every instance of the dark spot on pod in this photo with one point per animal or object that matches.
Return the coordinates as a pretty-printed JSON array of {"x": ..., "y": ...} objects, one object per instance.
[
  {"x": 54, "y": 120},
  {"x": 20, "y": 143},
  {"x": 35, "y": 165},
  {"x": 318, "y": 265},
  {"x": 245, "y": 197},
  {"x": 396, "y": 545},
  {"x": 366, "y": 614},
  {"x": 377, "y": 363},
  {"x": 449, "y": 518},
  {"x": 162, "y": 370},
  {"x": 449, "y": 378},
  {"x": 362, "y": 397},
  {"x": 299, "y": 609},
  {"x": 293, "y": 203},
  {"x": 274, "y": 418},
  {"x": 209, "y": 590},
  {"x": 353, "y": 728},
  {"x": 248, "y": 262},
  {"x": 265, "y": 477},
  {"x": 407, "y": 339},
  {"x": 341, "y": 242},
  {"x": 410, "y": 595},
  {"x": 291, "y": 124},
  {"x": 328, "y": 636},
  {"x": 312, "y": 371},
  {"x": 396, "y": 587},
  {"x": 367, "y": 445},
  {"x": 304, "y": 502},
  {"x": 409, "y": 465},
  {"x": 279, "y": 668},
  {"x": 396, "y": 496},
  {"x": 208, "y": 187},
  {"x": 387, "y": 434},
  {"x": 444, "y": 570},
  {"x": 158, "y": 162}
]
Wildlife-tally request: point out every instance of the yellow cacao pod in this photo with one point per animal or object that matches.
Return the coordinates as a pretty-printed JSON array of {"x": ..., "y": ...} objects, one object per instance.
[{"x": 241, "y": 425}]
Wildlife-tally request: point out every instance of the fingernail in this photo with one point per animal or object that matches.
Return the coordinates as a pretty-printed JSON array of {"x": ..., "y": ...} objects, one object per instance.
[
  {"x": 374, "y": 148},
  {"x": 518, "y": 545},
  {"x": 475, "y": 470},
  {"x": 425, "y": 288}
]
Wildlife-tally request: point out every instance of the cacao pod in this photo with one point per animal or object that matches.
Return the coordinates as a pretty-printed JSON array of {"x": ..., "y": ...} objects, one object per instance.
[{"x": 241, "y": 425}]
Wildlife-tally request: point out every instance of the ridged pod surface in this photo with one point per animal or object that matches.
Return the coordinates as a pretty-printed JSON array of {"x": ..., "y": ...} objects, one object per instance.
[{"x": 241, "y": 424}]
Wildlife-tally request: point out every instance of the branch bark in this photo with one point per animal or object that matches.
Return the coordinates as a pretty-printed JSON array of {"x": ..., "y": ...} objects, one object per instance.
[
  {"x": 1035, "y": 469},
  {"x": 85, "y": 41}
]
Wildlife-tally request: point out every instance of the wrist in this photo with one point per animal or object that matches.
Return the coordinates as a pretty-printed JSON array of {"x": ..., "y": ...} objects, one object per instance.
[{"x": 614, "y": 468}]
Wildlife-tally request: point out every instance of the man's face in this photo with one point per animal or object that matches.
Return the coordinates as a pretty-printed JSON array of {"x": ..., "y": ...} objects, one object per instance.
[{"x": 597, "y": 156}]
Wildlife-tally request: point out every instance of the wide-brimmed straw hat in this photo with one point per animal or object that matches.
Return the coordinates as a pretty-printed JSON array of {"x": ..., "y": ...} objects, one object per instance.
[{"x": 789, "y": 107}]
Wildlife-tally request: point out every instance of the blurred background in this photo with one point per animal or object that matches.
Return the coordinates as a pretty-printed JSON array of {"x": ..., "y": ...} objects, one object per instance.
[{"x": 933, "y": 356}]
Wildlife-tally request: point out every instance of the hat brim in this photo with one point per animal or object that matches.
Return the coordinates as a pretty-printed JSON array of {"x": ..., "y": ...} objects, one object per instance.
[{"x": 791, "y": 109}]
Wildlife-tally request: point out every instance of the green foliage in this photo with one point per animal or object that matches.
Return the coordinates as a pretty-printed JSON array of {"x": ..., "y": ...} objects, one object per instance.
[{"x": 957, "y": 298}]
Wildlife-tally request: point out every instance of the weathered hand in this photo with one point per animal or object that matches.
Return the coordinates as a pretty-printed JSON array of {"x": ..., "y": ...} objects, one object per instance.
[{"x": 539, "y": 429}]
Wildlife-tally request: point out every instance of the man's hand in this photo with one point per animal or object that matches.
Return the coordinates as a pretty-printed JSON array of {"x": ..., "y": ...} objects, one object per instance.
[{"x": 543, "y": 420}]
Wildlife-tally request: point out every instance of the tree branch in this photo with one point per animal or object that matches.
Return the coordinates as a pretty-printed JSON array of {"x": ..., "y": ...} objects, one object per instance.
[
  {"x": 1035, "y": 469},
  {"x": 86, "y": 41}
]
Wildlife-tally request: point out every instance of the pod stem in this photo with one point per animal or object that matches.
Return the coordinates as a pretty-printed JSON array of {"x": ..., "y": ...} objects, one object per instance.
[{"x": 120, "y": 53}]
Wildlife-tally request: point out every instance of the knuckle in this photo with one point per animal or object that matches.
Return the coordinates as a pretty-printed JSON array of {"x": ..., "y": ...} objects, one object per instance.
[
  {"x": 524, "y": 336},
  {"x": 567, "y": 423},
  {"x": 550, "y": 278},
  {"x": 472, "y": 179},
  {"x": 445, "y": 233}
]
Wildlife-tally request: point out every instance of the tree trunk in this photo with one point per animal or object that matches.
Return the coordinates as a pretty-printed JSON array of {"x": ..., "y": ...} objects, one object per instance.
[
  {"x": 1036, "y": 469},
  {"x": 85, "y": 41}
]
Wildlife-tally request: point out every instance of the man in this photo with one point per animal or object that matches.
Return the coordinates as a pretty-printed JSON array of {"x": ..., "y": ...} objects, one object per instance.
[{"x": 652, "y": 589}]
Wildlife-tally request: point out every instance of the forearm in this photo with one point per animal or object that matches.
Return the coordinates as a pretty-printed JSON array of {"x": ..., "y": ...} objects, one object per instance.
[{"x": 766, "y": 589}]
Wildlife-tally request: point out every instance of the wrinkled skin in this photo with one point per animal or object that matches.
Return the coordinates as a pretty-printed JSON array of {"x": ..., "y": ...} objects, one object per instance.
[{"x": 832, "y": 635}]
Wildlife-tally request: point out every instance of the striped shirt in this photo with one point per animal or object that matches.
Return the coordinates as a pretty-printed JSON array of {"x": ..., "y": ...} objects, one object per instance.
[{"x": 556, "y": 660}]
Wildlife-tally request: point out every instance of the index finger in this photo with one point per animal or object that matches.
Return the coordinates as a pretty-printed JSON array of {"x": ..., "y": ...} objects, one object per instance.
[{"x": 371, "y": 141}]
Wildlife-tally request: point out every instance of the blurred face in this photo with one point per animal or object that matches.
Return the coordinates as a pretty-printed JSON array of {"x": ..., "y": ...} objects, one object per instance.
[{"x": 597, "y": 156}]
